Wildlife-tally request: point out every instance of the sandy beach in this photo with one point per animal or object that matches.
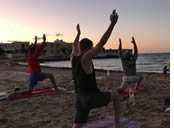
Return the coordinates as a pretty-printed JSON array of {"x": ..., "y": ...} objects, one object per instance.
[{"x": 57, "y": 110}]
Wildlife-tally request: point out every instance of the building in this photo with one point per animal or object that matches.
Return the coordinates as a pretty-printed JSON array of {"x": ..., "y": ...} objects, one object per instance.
[
  {"x": 110, "y": 53},
  {"x": 57, "y": 50},
  {"x": 15, "y": 49}
]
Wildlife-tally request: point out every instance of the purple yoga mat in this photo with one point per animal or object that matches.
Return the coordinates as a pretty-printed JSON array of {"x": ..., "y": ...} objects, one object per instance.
[{"x": 109, "y": 123}]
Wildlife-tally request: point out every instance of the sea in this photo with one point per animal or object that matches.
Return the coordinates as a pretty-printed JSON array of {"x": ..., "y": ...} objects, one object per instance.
[{"x": 151, "y": 62}]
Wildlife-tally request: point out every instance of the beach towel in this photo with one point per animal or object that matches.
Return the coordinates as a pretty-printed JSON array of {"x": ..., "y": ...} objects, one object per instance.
[
  {"x": 108, "y": 122},
  {"x": 125, "y": 94}
]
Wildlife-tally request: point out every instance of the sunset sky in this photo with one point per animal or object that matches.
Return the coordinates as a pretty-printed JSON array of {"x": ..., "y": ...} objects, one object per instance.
[{"x": 147, "y": 20}]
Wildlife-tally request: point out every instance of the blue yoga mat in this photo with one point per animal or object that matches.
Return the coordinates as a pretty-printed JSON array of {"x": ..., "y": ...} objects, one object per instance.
[{"x": 109, "y": 123}]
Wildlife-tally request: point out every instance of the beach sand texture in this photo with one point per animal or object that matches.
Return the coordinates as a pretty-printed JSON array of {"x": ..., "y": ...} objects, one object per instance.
[{"x": 57, "y": 110}]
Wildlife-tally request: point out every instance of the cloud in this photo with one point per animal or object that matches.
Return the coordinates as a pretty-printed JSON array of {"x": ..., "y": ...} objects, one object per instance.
[{"x": 59, "y": 34}]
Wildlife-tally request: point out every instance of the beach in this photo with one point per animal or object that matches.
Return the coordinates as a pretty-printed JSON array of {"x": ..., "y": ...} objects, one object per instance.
[{"x": 57, "y": 110}]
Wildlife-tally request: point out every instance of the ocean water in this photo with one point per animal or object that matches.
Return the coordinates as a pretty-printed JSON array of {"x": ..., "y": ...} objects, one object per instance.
[{"x": 145, "y": 63}]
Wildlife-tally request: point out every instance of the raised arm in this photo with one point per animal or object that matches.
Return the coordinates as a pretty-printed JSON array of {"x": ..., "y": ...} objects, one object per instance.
[
  {"x": 34, "y": 45},
  {"x": 38, "y": 52},
  {"x": 135, "y": 49},
  {"x": 75, "y": 48},
  {"x": 120, "y": 49},
  {"x": 94, "y": 51}
]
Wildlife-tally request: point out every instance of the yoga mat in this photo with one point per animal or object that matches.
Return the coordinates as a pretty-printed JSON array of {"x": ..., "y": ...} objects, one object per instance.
[
  {"x": 25, "y": 95},
  {"x": 109, "y": 123},
  {"x": 43, "y": 91},
  {"x": 125, "y": 94}
]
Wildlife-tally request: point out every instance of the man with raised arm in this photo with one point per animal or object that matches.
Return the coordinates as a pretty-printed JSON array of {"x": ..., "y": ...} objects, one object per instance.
[
  {"x": 129, "y": 66},
  {"x": 34, "y": 66},
  {"x": 88, "y": 95}
]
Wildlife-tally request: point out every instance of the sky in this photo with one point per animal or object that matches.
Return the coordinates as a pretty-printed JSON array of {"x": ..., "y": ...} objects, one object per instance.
[{"x": 147, "y": 20}]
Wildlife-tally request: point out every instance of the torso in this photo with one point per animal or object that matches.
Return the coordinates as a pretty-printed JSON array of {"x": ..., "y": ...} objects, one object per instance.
[{"x": 84, "y": 78}]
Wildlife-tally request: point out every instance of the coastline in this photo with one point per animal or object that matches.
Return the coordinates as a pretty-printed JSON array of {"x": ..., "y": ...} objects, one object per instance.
[{"x": 102, "y": 70}]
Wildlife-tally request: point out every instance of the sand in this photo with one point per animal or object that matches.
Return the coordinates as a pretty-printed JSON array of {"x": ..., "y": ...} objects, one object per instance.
[{"x": 57, "y": 110}]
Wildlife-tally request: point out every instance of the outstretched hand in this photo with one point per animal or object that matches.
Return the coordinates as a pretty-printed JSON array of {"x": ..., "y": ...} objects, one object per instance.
[
  {"x": 78, "y": 29},
  {"x": 133, "y": 40},
  {"x": 120, "y": 43},
  {"x": 44, "y": 37},
  {"x": 114, "y": 17},
  {"x": 35, "y": 39}
]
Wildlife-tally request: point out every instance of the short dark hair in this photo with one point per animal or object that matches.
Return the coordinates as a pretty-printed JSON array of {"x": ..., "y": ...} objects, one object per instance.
[
  {"x": 85, "y": 44},
  {"x": 127, "y": 55}
]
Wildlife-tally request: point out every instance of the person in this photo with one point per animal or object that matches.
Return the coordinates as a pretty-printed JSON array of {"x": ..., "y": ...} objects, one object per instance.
[
  {"x": 169, "y": 64},
  {"x": 34, "y": 66},
  {"x": 129, "y": 67},
  {"x": 88, "y": 95},
  {"x": 166, "y": 69}
]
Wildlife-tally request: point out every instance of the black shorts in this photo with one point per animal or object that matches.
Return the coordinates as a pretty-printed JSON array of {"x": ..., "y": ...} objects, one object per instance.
[{"x": 85, "y": 103}]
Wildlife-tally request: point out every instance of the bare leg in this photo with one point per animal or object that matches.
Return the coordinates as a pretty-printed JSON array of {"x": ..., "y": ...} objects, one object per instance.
[
  {"x": 51, "y": 77},
  {"x": 138, "y": 82},
  {"x": 116, "y": 107},
  {"x": 23, "y": 92},
  {"x": 30, "y": 89},
  {"x": 77, "y": 125}
]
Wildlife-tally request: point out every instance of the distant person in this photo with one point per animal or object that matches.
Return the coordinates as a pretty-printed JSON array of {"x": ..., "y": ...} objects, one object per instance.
[
  {"x": 34, "y": 66},
  {"x": 129, "y": 67},
  {"x": 88, "y": 95},
  {"x": 166, "y": 69},
  {"x": 169, "y": 64}
]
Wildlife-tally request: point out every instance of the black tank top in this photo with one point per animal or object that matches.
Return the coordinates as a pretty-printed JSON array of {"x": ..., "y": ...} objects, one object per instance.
[{"x": 85, "y": 84}]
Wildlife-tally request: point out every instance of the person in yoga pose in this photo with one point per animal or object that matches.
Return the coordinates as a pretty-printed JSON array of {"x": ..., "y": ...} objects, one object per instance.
[
  {"x": 88, "y": 94},
  {"x": 34, "y": 66},
  {"x": 129, "y": 66},
  {"x": 166, "y": 69}
]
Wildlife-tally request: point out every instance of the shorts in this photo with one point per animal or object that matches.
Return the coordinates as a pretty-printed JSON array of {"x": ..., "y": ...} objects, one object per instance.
[
  {"x": 34, "y": 78},
  {"x": 85, "y": 103},
  {"x": 129, "y": 79}
]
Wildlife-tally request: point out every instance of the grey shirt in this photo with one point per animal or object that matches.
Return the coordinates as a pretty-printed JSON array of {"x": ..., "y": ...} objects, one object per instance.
[{"x": 129, "y": 66}]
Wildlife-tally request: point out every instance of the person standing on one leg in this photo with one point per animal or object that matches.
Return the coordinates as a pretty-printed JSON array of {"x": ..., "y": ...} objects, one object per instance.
[
  {"x": 88, "y": 95},
  {"x": 129, "y": 66},
  {"x": 34, "y": 66}
]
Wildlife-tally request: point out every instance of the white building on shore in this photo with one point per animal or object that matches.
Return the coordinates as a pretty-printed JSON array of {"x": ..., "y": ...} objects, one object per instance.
[{"x": 57, "y": 49}]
